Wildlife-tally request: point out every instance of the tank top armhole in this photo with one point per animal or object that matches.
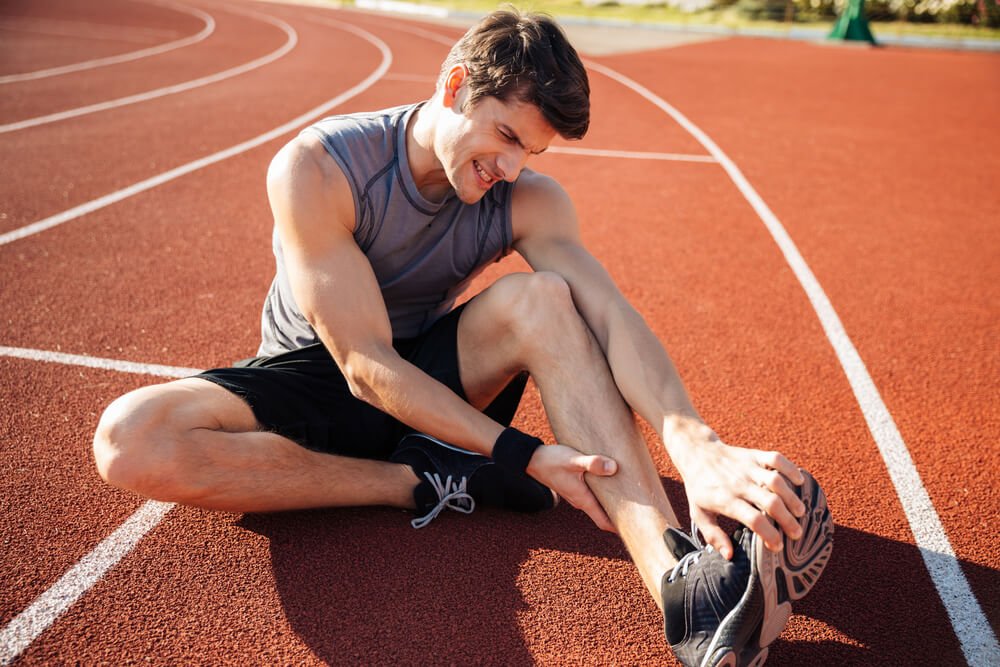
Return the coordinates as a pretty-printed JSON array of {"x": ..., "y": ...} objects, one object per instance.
[
  {"x": 332, "y": 151},
  {"x": 507, "y": 213}
]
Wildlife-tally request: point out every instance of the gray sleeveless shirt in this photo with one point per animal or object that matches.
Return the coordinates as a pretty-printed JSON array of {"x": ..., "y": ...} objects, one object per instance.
[{"x": 424, "y": 253}]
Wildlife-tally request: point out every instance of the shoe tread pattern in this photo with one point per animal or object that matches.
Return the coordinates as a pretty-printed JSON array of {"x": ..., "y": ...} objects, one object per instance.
[{"x": 803, "y": 560}]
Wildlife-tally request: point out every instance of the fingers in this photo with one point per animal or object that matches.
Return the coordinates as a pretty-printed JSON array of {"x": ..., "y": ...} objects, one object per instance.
[
  {"x": 589, "y": 505},
  {"x": 752, "y": 518},
  {"x": 714, "y": 535},
  {"x": 597, "y": 465},
  {"x": 774, "y": 506},
  {"x": 600, "y": 518},
  {"x": 777, "y": 461},
  {"x": 775, "y": 482}
]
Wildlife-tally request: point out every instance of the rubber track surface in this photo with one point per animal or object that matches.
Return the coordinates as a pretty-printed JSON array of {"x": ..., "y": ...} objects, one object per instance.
[{"x": 880, "y": 163}]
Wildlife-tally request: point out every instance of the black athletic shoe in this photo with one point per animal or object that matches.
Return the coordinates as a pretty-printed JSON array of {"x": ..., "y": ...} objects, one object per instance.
[
  {"x": 711, "y": 606},
  {"x": 456, "y": 479},
  {"x": 718, "y": 612}
]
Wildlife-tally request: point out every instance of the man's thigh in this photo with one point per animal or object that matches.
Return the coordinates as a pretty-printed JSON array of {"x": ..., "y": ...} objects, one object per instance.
[
  {"x": 303, "y": 396},
  {"x": 488, "y": 344}
]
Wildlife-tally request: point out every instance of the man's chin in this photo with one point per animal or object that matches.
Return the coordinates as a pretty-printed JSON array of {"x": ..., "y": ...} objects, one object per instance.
[{"x": 471, "y": 197}]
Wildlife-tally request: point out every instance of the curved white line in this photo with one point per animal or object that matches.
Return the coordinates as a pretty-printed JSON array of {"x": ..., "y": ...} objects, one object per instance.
[
  {"x": 119, "y": 365},
  {"x": 160, "y": 179},
  {"x": 289, "y": 44},
  {"x": 974, "y": 633},
  {"x": 207, "y": 30},
  {"x": 629, "y": 155},
  {"x": 47, "y": 607},
  {"x": 24, "y": 628},
  {"x": 979, "y": 643}
]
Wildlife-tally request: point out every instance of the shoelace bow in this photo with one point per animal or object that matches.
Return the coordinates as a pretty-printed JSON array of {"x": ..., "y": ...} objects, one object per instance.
[
  {"x": 691, "y": 557},
  {"x": 452, "y": 495}
]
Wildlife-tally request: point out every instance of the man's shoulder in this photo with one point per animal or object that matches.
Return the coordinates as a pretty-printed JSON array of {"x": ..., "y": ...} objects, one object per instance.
[
  {"x": 534, "y": 184},
  {"x": 540, "y": 202},
  {"x": 365, "y": 127},
  {"x": 303, "y": 178},
  {"x": 304, "y": 160},
  {"x": 342, "y": 122}
]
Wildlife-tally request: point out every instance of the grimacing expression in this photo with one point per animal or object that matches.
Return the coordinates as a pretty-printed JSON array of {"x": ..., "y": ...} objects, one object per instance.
[{"x": 489, "y": 142}]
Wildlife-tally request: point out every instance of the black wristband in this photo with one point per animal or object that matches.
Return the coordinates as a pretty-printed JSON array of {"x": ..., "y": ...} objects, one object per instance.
[{"x": 513, "y": 449}]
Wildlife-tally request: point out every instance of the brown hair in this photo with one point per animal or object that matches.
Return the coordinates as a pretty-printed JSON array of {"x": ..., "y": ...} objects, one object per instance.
[{"x": 528, "y": 58}]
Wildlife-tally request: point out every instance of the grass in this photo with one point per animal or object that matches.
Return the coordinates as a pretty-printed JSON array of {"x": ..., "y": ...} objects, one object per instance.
[{"x": 729, "y": 17}]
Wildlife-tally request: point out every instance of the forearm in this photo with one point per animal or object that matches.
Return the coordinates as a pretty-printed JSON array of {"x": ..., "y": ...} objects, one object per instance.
[
  {"x": 649, "y": 381},
  {"x": 382, "y": 378}
]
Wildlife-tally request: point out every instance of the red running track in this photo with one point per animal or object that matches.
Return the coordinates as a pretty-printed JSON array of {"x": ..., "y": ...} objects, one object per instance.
[{"x": 878, "y": 162}]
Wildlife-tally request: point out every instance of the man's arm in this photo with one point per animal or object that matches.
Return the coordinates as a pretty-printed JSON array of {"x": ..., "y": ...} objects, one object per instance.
[
  {"x": 719, "y": 479},
  {"x": 336, "y": 289}
]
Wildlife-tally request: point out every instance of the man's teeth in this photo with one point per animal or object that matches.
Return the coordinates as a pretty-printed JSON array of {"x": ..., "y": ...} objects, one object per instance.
[{"x": 482, "y": 174}]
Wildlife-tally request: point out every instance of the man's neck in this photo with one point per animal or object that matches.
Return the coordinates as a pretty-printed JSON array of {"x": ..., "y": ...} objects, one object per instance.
[{"x": 426, "y": 169}]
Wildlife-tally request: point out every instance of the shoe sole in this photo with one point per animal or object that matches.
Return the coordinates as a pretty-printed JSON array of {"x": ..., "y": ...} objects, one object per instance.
[
  {"x": 790, "y": 574},
  {"x": 780, "y": 578}
]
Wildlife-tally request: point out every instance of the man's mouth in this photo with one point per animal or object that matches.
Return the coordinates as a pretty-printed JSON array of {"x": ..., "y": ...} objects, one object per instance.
[{"x": 486, "y": 178}]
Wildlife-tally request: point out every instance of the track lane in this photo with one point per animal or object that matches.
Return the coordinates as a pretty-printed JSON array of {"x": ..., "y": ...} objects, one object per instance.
[
  {"x": 57, "y": 33},
  {"x": 921, "y": 284},
  {"x": 53, "y": 510},
  {"x": 145, "y": 140},
  {"x": 226, "y": 53},
  {"x": 208, "y": 28},
  {"x": 843, "y": 631},
  {"x": 353, "y": 91},
  {"x": 973, "y": 649}
]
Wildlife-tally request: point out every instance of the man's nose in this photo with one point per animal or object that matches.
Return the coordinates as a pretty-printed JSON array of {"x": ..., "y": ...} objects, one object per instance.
[{"x": 511, "y": 162}]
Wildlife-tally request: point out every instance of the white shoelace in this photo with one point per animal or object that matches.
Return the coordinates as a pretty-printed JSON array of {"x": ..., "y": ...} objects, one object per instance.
[
  {"x": 452, "y": 495},
  {"x": 691, "y": 557}
]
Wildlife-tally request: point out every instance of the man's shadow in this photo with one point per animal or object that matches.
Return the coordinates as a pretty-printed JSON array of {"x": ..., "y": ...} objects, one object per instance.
[{"x": 360, "y": 586}]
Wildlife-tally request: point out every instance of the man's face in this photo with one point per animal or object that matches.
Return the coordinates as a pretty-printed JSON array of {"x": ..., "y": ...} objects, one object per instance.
[{"x": 488, "y": 142}]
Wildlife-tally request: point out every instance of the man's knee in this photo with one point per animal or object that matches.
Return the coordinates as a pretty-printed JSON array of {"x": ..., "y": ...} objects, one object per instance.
[
  {"x": 535, "y": 300},
  {"x": 135, "y": 445}
]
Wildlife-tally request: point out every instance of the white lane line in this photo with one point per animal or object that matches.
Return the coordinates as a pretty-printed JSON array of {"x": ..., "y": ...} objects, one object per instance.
[
  {"x": 33, "y": 621},
  {"x": 24, "y": 628},
  {"x": 84, "y": 30},
  {"x": 975, "y": 635},
  {"x": 47, "y": 607},
  {"x": 565, "y": 150},
  {"x": 979, "y": 643},
  {"x": 160, "y": 179},
  {"x": 290, "y": 42},
  {"x": 96, "y": 362},
  {"x": 206, "y": 30},
  {"x": 629, "y": 155}
]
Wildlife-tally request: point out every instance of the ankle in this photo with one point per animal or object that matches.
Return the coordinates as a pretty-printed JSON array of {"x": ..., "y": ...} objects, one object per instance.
[{"x": 409, "y": 487}]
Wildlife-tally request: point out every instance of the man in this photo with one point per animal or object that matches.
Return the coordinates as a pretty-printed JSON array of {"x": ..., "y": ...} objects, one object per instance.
[{"x": 370, "y": 389}]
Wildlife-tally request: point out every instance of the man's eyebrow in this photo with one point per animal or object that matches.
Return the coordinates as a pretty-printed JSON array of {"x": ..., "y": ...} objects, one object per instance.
[{"x": 513, "y": 135}]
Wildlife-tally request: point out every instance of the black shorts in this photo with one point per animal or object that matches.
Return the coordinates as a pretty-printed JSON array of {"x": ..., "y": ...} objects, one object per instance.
[{"x": 302, "y": 395}]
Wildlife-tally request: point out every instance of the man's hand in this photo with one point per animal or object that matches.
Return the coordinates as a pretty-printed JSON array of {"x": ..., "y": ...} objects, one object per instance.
[
  {"x": 561, "y": 468},
  {"x": 742, "y": 484}
]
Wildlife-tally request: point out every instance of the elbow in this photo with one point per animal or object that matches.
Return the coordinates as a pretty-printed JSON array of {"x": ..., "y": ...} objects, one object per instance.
[
  {"x": 357, "y": 382},
  {"x": 362, "y": 373}
]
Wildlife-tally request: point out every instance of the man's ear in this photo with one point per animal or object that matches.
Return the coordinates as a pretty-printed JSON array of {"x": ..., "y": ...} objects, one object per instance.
[{"x": 453, "y": 82}]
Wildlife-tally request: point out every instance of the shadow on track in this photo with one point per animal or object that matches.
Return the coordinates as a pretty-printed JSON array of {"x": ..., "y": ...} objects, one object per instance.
[{"x": 360, "y": 584}]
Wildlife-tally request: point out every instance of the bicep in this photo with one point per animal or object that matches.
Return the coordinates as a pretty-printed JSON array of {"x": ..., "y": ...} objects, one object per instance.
[{"x": 331, "y": 279}]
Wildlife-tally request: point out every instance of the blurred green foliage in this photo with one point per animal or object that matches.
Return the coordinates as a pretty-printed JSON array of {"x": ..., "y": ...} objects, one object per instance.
[
  {"x": 968, "y": 12},
  {"x": 951, "y": 18}
]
